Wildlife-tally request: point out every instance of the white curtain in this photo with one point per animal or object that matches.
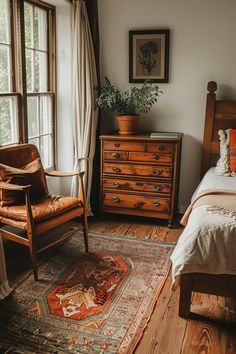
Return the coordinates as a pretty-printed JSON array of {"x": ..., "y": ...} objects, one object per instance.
[
  {"x": 4, "y": 286},
  {"x": 85, "y": 113}
]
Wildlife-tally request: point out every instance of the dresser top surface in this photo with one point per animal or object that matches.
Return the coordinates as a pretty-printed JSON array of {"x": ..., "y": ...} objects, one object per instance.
[{"x": 144, "y": 135}]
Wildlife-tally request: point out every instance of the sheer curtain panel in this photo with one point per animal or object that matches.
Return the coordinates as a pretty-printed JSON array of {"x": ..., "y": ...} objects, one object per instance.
[
  {"x": 85, "y": 113},
  {"x": 4, "y": 286}
]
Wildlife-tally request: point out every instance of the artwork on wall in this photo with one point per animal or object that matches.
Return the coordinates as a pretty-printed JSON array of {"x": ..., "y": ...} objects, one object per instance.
[{"x": 149, "y": 55}]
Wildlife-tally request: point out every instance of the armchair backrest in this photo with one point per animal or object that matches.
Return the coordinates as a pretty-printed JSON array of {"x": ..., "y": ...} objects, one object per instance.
[{"x": 19, "y": 155}]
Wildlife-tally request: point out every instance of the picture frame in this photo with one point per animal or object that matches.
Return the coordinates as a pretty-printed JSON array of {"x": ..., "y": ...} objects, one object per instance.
[{"x": 149, "y": 55}]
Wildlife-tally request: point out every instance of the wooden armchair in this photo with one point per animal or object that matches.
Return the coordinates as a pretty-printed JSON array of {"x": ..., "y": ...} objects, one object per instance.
[{"x": 26, "y": 208}]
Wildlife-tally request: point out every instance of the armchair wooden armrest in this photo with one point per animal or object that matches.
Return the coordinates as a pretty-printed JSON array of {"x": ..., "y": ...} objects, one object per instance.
[
  {"x": 26, "y": 190},
  {"x": 14, "y": 187},
  {"x": 54, "y": 173}
]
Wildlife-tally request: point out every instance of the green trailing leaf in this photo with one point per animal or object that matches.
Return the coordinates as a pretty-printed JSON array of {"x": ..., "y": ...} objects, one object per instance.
[{"x": 133, "y": 101}]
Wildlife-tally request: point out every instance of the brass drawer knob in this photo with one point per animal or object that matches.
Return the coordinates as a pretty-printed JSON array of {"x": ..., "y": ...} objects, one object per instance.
[
  {"x": 156, "y": 157},
  {"x": 156, "y": 203},
  {"x": 116, "y": 169},
  {"x": 116, "y": 185},
  {"x": 117, "y": 145},
  {"x": 115, "y": 154},
  {"x": 157, "y": 188},
  {"x": 116, "y": 199},
  {"x": 160, "y": 147},
  {"x": 140, "y": 184},
  {"x": 157, "y": 173},
  {"x": 139, "y": 204}
]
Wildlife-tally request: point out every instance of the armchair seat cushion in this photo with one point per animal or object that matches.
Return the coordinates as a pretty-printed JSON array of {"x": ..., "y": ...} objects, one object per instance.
[{"x": 47, "y": 208}]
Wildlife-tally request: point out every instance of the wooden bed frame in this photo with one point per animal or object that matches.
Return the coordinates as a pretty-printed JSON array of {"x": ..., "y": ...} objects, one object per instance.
[{"x": 220, "y": 114}]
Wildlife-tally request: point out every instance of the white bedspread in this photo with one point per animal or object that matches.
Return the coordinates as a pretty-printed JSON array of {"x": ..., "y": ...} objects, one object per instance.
[
  {"x": 213, "y": 181},
  {"x": 208, "y": 242}
]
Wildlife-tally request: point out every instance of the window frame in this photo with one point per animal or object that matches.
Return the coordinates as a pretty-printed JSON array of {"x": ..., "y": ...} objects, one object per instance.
[
  {"x": 18, "y": 66},
  {"x": 13, "y": 92}
]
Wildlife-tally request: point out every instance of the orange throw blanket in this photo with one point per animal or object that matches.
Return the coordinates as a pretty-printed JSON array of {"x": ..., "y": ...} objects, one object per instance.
[
  {"x": 232, "y": 150},
  {"x": 224, "y": 199}
]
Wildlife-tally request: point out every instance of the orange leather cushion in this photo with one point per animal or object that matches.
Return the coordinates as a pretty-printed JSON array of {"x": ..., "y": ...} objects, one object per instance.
[
  {"x": 232, "y": 150},
  {"x": 32, "y": 174},
  {"x": 44, "y": 209}
]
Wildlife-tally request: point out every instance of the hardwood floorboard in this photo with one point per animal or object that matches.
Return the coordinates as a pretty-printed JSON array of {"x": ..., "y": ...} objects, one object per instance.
[
  {"x": 160, "y": 233},
  {"x": 110, "y": 227},
  {"x": 207, "y": 331},
  {"x": 139, "y": 230},
  {"x": 212, "y": 326},
  {"x": 165, "y": 331}
]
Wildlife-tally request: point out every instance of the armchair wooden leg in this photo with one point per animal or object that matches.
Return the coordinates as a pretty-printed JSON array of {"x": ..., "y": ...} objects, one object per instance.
[
  {"x": 85, "y": 231},
  {"x": 33, "y": 253},
  {"x": 34, "y": 263}
]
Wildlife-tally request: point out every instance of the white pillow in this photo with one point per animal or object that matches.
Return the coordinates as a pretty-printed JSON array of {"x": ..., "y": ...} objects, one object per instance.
[{"x": 222, "y": 166}]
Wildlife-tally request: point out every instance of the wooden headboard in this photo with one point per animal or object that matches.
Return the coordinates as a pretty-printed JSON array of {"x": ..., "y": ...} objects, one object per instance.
[{"x": 220, "y": 114}]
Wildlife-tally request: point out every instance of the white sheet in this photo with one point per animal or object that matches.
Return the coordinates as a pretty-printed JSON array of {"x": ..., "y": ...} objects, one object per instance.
[
  {"x": 212, "y": 181},
  {"x": 208, "y": 242}
]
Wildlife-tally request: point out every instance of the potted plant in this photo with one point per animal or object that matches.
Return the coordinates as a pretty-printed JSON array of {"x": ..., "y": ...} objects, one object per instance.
[{"x": 128, "y": 104}]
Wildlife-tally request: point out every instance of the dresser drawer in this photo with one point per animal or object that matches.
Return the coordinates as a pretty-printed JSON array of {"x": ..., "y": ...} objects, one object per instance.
[
  {"x": 133, "y": 201},
  {"x": 137, "y": 170},
  {"x": 115, "y": 155},
  {"x": 122, "y": 184},
  {"x": 160, "y": 147},
  {"x": 150, "y": 157},
  {"x": 124, "y": 145}
]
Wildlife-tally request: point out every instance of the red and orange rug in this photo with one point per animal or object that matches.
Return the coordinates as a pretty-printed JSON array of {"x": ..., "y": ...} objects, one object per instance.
[{"x": 95, "y": 303}]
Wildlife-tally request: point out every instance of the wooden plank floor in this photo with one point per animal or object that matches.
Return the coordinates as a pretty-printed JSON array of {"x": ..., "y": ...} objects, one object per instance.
[{"x": 212, "y": 326}]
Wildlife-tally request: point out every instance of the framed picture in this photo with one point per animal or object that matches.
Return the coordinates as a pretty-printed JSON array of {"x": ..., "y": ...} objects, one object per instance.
[{"x": 149, "y": 56}]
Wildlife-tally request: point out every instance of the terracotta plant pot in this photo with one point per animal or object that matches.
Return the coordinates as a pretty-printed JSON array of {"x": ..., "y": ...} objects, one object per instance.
[{"x": 127, "y": 123}]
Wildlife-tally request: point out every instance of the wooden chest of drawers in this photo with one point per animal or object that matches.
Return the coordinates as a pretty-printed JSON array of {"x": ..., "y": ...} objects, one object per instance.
[{"x": 140, "y": 174}]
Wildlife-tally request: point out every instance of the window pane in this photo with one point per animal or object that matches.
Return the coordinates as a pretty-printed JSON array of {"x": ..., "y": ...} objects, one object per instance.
[
  {"x": 45, "y": 114},
  {"x": 34, "y": 141},
  {"x": 8, "y": 122},
  {"x": 44, "y": 144},
  {"x": 4, "y": 69},
  {"x": 40, "y": 71},
  {"x": 33, "y": 121},
  {"x": 4, "y": 17},
  {"x": 28, "y": 11},
  {"x": 40, "y": 29},
  {"x": 29, "y": 69},
  {"x": 40, "y": 106},
  {"x": 46, "y": 150}
]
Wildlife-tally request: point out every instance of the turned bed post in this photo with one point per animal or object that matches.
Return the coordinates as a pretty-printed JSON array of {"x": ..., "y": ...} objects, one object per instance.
[{"x": 208, "y": 129}]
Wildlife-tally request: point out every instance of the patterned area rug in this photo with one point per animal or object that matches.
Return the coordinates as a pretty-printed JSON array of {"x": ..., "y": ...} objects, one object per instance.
[{"x": 95, "y": 303}]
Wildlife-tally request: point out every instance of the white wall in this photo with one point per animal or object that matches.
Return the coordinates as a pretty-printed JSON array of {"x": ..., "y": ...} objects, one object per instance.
[{"x": 202, "y": 48}]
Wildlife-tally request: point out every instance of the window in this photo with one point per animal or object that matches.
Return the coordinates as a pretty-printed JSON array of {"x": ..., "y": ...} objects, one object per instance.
[
  {"x": 39, "y": 97},
  {"x": 8, "y": 100},
  {"x": 27, "y": 80}
]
